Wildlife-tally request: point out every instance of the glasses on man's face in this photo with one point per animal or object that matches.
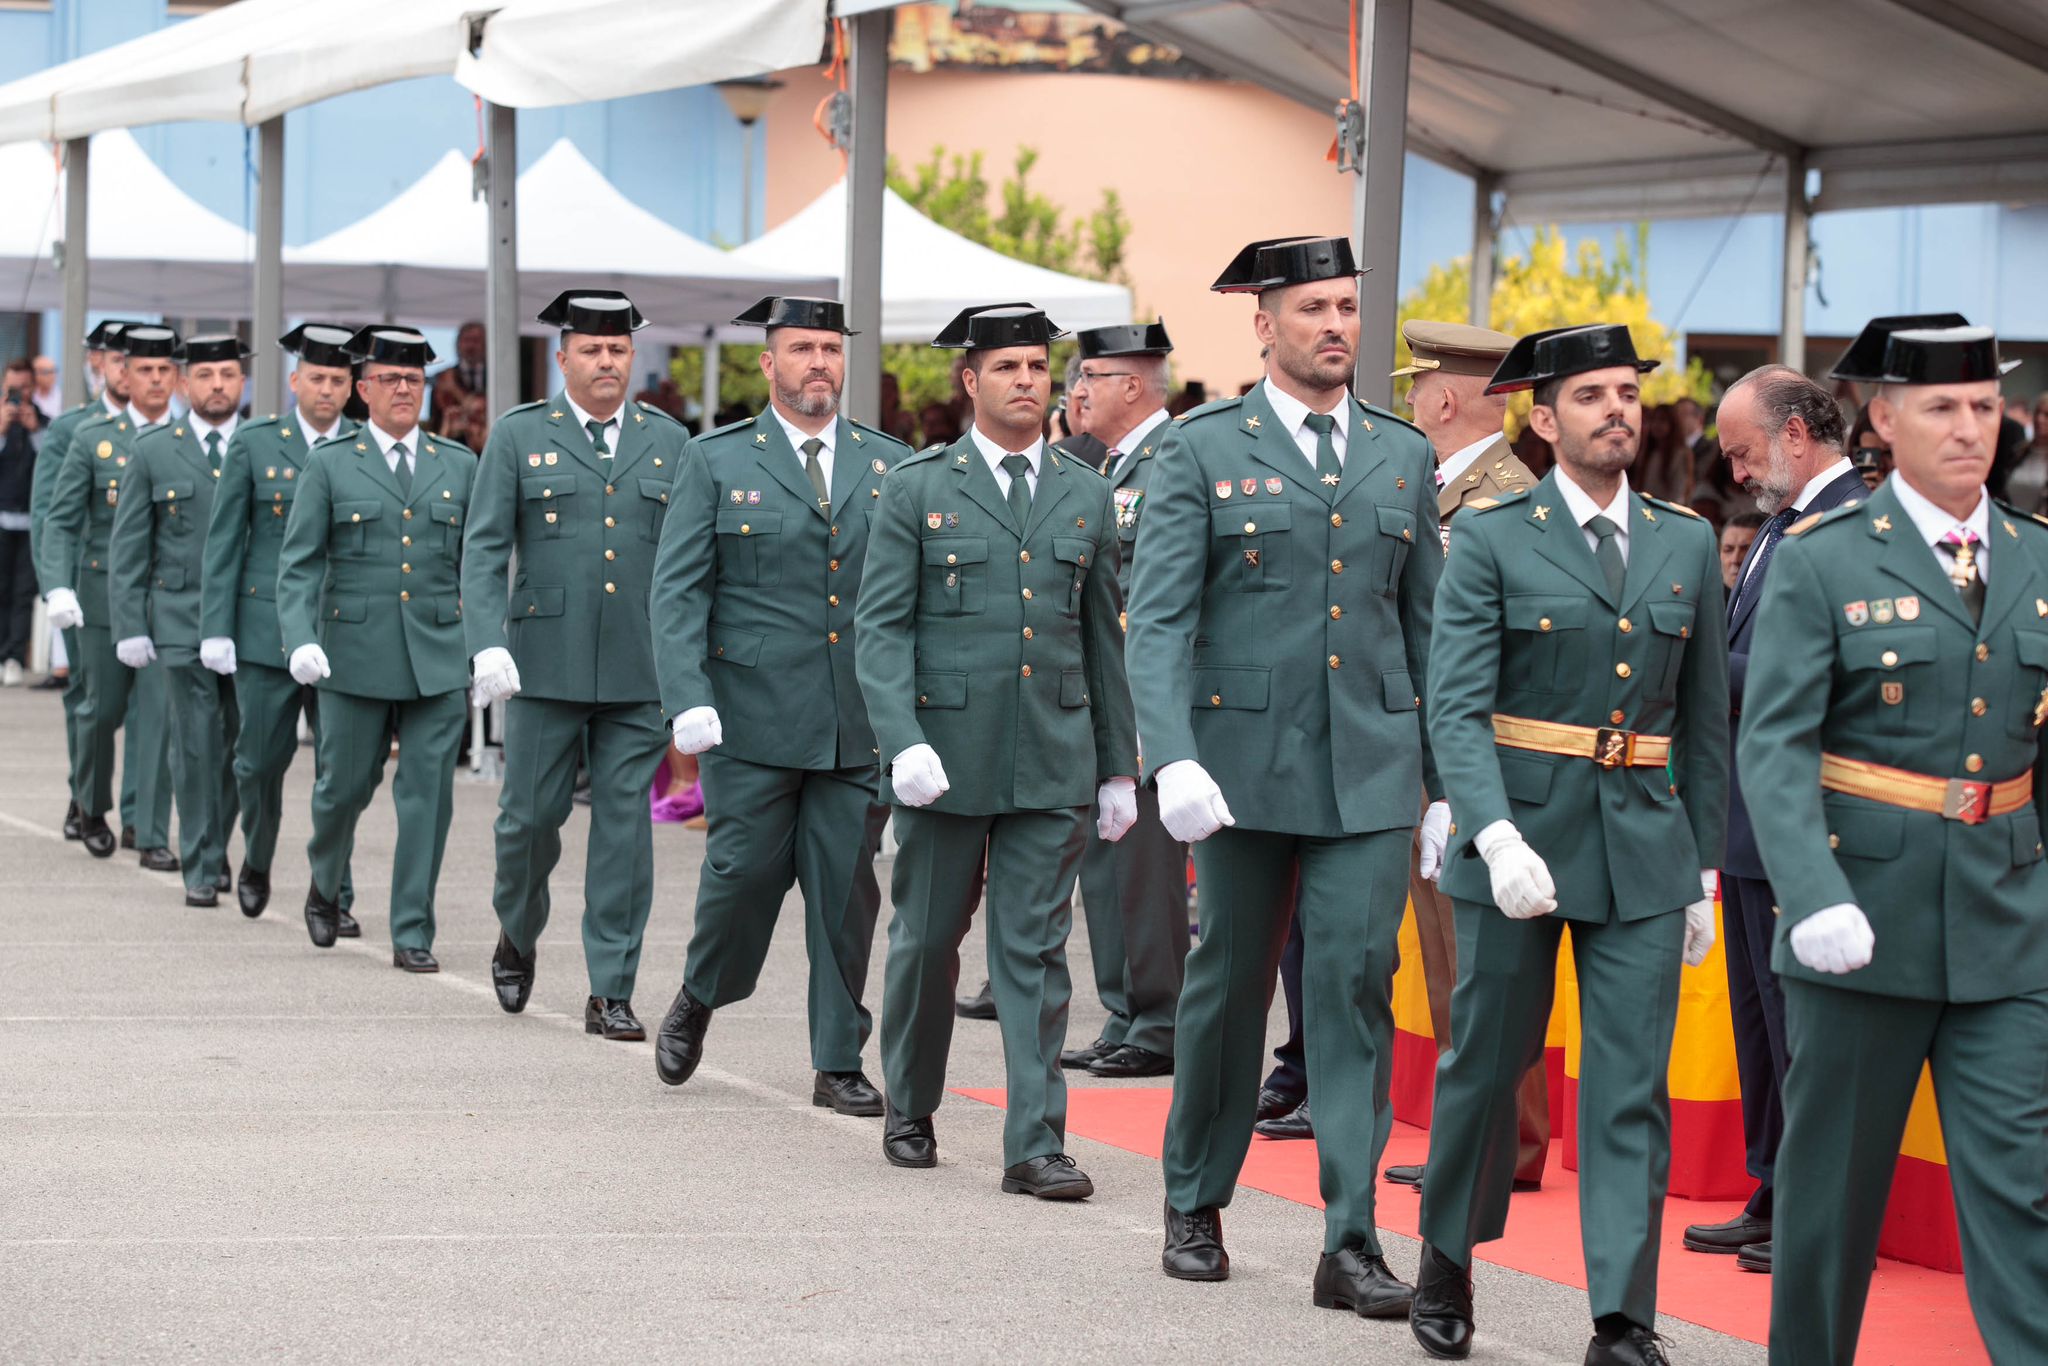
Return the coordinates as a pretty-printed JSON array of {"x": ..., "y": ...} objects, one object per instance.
[
  {"x": 1085, "y": 377},
  {"x": 394, "y": 383}
]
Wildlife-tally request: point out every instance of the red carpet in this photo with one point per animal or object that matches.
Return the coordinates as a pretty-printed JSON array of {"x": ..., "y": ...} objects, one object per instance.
[{"x": 1916, "y": 1315}]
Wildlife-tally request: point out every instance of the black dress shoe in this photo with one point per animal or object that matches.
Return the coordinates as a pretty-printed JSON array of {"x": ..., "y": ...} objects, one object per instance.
[
  {"x": 1636, "y": 1347},
  {"x": 222, "y": 882},
  {"x": 1296, "y": 1123},
  {"x": 1352, "y": 1278},
  {"x": 74, "y": 822},
  {"x": 1076, "y": 1057},
  {"x": 202, "y": 895},
  {"x": 614, "y": 1019},
  {"x": 127, "y": 837},
  {"x": 1730, "y": 1237},
  {"x": 980, "y": 1006},
  {"x": 97, "y": 836},
  {"x": 345, "y": 926},
  {"x": 1441, "y": 1317},
  {"x": 679, "y": 1047},
  {"x": 1273, "y": 1104},
  {"x": 414, "y": 960},
  {"x": 846, "y": 1093},
  {"x": 159, "y": 861},
  {"x": 908, "y": 1142},
  {"x": 1755, "y": 1257},
  {"x": 1131, "y": 1061},
  {"x": 1194, "y": 1246},
  {"x": 320, "y": 918},
  {"x": 512, "y": 976},
  {"x": 1051, "y": 1177},
  {"x": 252, "y": 891},
  {"x": 1405, "y": 1176}
]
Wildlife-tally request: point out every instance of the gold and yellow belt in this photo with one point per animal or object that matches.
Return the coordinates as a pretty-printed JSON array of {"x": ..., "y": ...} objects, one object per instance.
[
  {"x": 1606, "y": 747},
  {"x": 1955, "y": 799}
]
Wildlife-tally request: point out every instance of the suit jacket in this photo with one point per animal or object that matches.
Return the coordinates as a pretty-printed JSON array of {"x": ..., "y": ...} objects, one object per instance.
[
  {"x": 1280, "y": 628},
  {"x": 1000, "y": 649},
  {"x": 755, "y": 588},
  {"x": 1527, "y": 628},
  {"x": 157, "y": 551},
  {"x": 1129, "y": 478},
  {"x": 1864, "y": 650},
  {"x": 370, "y": 573},
  {"x": 1495, "y": 474},
  {"x": 78, "y": 523},
  {"x": 1743, "y": 860}
]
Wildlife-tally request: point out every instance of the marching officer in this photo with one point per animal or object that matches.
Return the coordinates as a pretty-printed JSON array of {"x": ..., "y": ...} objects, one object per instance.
[
  {"x": 1579, "y": 704},
  {"x": 1134, "y": 892},
  {"x": 77, "y": 527},
  {"x": 991, "y": 658},
  {"x": 754, "y": 599},
  {"x": 369, "y": 607},
  {"x": 576, "y": 488},
  {"x": 158, "y": 553},
  {"x": 1894, "y": 727},
  {"x": 259, "y": 482},
  {"x": 1280, "y": 624}
]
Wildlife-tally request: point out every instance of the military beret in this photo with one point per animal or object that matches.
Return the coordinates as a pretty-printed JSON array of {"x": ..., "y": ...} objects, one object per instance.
[
  {"x": 990, "y": 325},
  {"x": 147, "y": 341},
  {"x": 1559, "y": 352},
  {"x": 594, "y": 313},
  {"x": 391, "y": 346},
  {"x": 319, "y": 344},
  {"x": 211, "y": 349},
  {"x": 1124, "y": 339},
  {"x": 1453, "y": 348},
  {"x": 821, "y": 315},
  {"x": 1278, "y": 261}
]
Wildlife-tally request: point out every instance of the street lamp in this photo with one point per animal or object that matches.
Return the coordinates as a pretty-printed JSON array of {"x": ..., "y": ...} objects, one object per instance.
[{"x": 748, "y": 100}]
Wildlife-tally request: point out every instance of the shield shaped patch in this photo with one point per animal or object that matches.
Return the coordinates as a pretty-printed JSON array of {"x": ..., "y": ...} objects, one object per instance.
[
  {"x": 1857, "y": 612},
  {"x": 1274, "y": 486},
  {"x": 932, "y": 520},
  {"x": 1222, "y": 488}
]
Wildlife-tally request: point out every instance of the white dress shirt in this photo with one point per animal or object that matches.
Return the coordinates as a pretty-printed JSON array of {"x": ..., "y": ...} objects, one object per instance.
[
  {"x": 200, "y": 427},
  {"x": 385, "y": 443},
  {"x": 1462, "y": 459},
  {"x": 1293, "y": 415},
  {"x": 1135, "y": 437},
  {"x": 1583, "y": 509},
  {"x": 143, "y": 424},
  {"x": 314, "y": 436},
  {"x": 1933, "y": 524},
  {"x": 993, "y": 454},
  {"x": 797, "y": 436},
  {"x": 612, "y": 425}
]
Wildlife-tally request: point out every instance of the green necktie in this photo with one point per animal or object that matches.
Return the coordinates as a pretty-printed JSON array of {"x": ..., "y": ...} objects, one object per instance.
[
  {"x": 817, "y": 473},
  {"x": 403, "y": 469},
  {"x": 596, "y": 430},
  {"x": 1328, "y": 470},
  {"x": 213, "y": 451},
  {"x": 1019, "y": 470},
  {"x": 1608, "y": 554}
]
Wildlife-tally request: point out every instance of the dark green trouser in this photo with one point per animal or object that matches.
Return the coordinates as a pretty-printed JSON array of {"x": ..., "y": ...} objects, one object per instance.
[
  {"x": 1134, "y": 894},
  {"x": 1856, "y": 1062},
  {"x": 118, "y": 698},
  {"x": 1628, "y": 1000},
  {"x": 204, "y": 722},
  {"x": 768, "y": 828},
  {"x": 265, "y": 744},
  {"x": 74, "y": 697},
  {"x": 1032, "y": 858},
  {"x": 355, "y": 740},
  {"x": 1353, "y": 891},
  {"x": 543, "y": 741}
]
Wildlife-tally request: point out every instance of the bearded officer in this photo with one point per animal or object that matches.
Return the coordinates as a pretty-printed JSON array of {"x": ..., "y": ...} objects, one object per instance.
[
  {"x": 991, "y": 659},
  {"x": 754, "y": 598},
  {"x": 1893, "y": 726},
  {"x": 158, "y": 553},
  {"x": 574, "y": 488},
  {"x": 1579, "y": 704},
  {"x": 370, "y": 609}
]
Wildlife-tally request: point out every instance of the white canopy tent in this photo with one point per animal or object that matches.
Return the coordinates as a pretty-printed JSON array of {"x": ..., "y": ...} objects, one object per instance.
[{"x": 928, "y": 273}]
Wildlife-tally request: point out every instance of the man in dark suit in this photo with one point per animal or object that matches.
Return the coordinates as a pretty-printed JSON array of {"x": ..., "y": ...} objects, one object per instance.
[{"x": 1783, "y": 435}]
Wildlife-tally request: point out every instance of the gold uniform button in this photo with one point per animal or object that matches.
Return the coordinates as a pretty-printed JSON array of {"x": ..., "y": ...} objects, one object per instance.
[
  {"x": 547, "y": 493},
  {"x": 610, "y": 522},
  {"x": 1336, "y": 566},
  {"x": 1336, "y": 612},
  {"x": 1621, "y": 670},
  {"x": 1024, "y": 556},
  {"x": 835, "y": 531},
  {"x": 611, "y": 588},
  {"x": 405, "y": 597},
  {"x": 1978, "y": 706},
  {"x": 1215, "y": 699},
  {"x": 1027, "y": 595},
  {"x": 1336, "y": 519},
  {"x": 1834, "y": 841},
  {"x": 832, "y": 637},
  {"x": 405, "y": 540},
  {"x": 355, "y": 516},
  {"x": 1983, "y": 652},
  {"x": 1974, "y": 764},
  {"x": 922, "y": 699},
  {"x": 1336, "y": 662},
  {"x": 746, "y": 529},
  {"x": 952, "y": 559},
  {"x": 1027, "y": 633},
  {"x": 1407, "y": 534},
  {"x": 1250, "y": 527},
  {"x": 611, "y": 554},
  {"x": 1625, "y": 625},
  {"x": 832, "y": 601},
  {"x": 531, "y": 609},
  {"x": 407, "y": 514},
  {"x": 1543, "y": 624},
  {"x": 1616, "y": 717},
  {"x": 1027, "y": 671},
  {"x": 835, "y": 566},
  {"x": 405, "y": 569},
  {"x": 609, "y": 489},
  {"x": 1888, "y": 658}
]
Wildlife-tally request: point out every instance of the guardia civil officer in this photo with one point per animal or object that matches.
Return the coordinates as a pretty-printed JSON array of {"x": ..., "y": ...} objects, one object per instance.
[
  {"x": 992, "y": 662},
  {"x": 1579, "y": 705},
  {"x": 1280, "y": 626},
  {"x": 754, "y": 599},
  {"x": 369, "y": 606},
  {"x": 1894, "y": 728},
  {"x": 574, "y": 489}
]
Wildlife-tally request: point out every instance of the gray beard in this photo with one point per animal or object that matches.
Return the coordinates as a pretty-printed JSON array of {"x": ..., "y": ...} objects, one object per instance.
[
  {"x": 1773, "y": 489},
  {"x": 793, "y": 399}
]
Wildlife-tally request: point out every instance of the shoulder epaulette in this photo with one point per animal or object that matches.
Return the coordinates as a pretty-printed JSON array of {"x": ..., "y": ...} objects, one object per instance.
[
  {"x": 257, "y": 424},
  {"x": 447, "y": 442},
  {"x": 524, "y": 407},
  {"x": 1221, "y": 405},
  {"x": 1833, "y": 514},
  {"x": 1379, "y": 412},
  {"x": 662, "y": 413},
  {"x": 1669, "y": 506},
  {"x": 738, "y": 426},
  {"x": 1489, "y": 504},
  {"x": 1074, "y": 461}
]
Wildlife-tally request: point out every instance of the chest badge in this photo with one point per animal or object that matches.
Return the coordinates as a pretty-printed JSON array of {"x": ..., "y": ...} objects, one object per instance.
[
  {"x": 1881, "y": 611},
  {"x": 2041, "y": 710},
  {"x": 753, "y": 497},
  {"x": 738, "y": 497},
  {"x": 1907, "y": 608},
  {"x": 103, "y": 450},
  {"x": 879, "y": 467},
  {"x": 952, "y": 521},
  {"x": 760, "y": 438},
  {"x": 1251, "y": 424},
  {"x": 1856, "y": 613},
  {"x": 1274, "y": 486},
  {"x": 932, "y": 521},
  {"x": 289, "y": 473},
  {"x": 1222, "y": 488},
  {"x": 1249, "y": 487},
  {"x": 552, "y": 457},
  {"x": 1541, "y": 514},
  {"x": 1893, "y": 693},
  {"x": 533, "y": 460},
  {"x": 270, "y": 472}
]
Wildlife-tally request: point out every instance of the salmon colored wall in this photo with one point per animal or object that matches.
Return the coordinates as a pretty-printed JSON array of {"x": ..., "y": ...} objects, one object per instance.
[{"x": 1203, "y": 168}]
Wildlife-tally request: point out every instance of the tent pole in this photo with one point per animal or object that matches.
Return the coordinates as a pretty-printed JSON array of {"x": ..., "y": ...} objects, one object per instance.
[
  {"x": 267, "y": 396},
  {"x": 77, "y": 268},
  {"x": 710, "y": 391},
  {"x": 866, "y": 159},
  {"x": 1792, "y": 316},
  {"x": 501, "y": 319},
  {"x": 1483, "y": 227},
  {"x": 1383, "y": 28}
]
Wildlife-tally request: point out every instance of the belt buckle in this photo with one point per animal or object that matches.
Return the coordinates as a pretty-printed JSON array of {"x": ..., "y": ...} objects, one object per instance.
[
  {"x": 1966, "y": 801},
  {"x": 1614, "y": 748}
]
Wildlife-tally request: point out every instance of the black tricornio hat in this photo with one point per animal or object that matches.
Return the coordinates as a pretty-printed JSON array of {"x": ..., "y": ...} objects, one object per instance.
[
  {"x": 1281, "y": 261},
  {"x": 594, "y": 313},
  {"x": 102, "y": 336},
  {"x": 1124, "y": 339},
  {"x": 319, "y": 344},
  {"x": 148, "y": 341},
  {"x": 1561, "y": 351},
  {"x": 821, "y": 315},
  {"x": 1943, "y": 355},
  {"x": 1863, "y": 362},
  {"x": 391, "y": 346},
  {"x": 211, "y": 350},
  {"x": 991, "y": 325}
]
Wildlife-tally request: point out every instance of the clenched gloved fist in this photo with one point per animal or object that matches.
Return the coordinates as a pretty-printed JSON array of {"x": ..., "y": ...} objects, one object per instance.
[
  {"x": 218, "y": 654},
  {"x": 492, "y": 675},
  {"x": 1436, "y": 833},
  {"x": 1699, "y": 921},
  {"x": 1522, "y": 886},
  {"x": 918, "y": 776},
  {"x": 1834, "y": 939},
  {"x": 1191, "y": 806},
  {"x": 697, "y": 730},
  {"x": 137, "y": 652},
  {"x": 1116, "y": 808},
  {"x": 308, "y": 664},
  {"x": 65, "y": 612}
]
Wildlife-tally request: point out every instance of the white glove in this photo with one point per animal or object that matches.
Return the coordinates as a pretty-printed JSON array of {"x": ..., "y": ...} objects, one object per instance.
[
  {"x": 1699, "y": 921},
  {"x": 1436, "y": 833},
  {"x": 919, "y": 777},
  {"x": 492, "y": 675},
  {"x": 1116, "y": 808},
  {"x": 137, "y": 652},
  {"x": 218, "y": 654},
  {"x": 1191, "y": 806},
  {"x": 697, "y": 730},
  {"x": 1834, "y": 939},
  {"x": 308, "y": 664},
  {"x": 1522, "y": 887},
  {"x": 65, "y": 612}
]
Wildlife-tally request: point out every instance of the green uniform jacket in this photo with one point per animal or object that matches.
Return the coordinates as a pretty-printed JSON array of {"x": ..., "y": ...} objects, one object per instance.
[
  {"x": 259, "y": 478},
  {"x": 79, "y": 522},
  {"x": 1280, "y": 629},
  {"x": 1864, "y": 650},
  {"x": 1002, "y": 652},
  {"x": 1526, "y": 628},
  {"x": 754, "y": 593},
  {"x": 49, "y": 460},
  {"x": 1129, "y": 477},
  {"x": 371, "y": 574},
  {"x": 584, "y": 530},
  {"x": 158, "y": 548}
]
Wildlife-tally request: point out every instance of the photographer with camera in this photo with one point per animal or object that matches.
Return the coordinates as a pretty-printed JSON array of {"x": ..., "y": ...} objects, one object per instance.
[{"x": 21, "y": 425}]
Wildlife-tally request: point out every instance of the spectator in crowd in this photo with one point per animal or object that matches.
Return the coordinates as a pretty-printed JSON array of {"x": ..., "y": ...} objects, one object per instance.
[
  {"x": 896, "y": 419},
  {"x": 2012, "y": 447},
  {"x": 468, "y": 379},
  {"x": 937, "y": 425},
  {"x": 1664, "y": 462},
  {"x": 1193, "y": 395},
  {"x": 49, "y": 397},
  {"x": 1871, "y": 457},
  {"x": 1737, "y": 535},
  {"x": 21, "y": 424},
  {"x": 663, "y": 394},
  {"x": 2016, "y": 410},
  {"x": 1692, "y": 430}
]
